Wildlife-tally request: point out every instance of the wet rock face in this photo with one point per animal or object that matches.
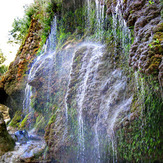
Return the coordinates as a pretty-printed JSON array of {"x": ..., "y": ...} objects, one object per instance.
[
  {"x": 67, "y": 4},
  {"x": 144, "y": 18},
  {"x": 146, "y": 51},
  {"x": 21, "y": 136},
  {"x": 6, "y": 141},
  {"x": 95, "y": 95},
  {"x": 50, "y": 80}
]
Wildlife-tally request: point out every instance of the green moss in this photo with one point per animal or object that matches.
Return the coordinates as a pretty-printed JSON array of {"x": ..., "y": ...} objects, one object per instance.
[
  {"x": 16, "y": 120},
  {"x": 52, "y": 119},
  {"x": 124, "y": 1},
  {"x": 40, "y": 124},
  {"x": 6, "y": 143},
  {"x": 156, "y": 50},
  {"x": 23, "y": 123},
  {"x": 141, "y": 139}
]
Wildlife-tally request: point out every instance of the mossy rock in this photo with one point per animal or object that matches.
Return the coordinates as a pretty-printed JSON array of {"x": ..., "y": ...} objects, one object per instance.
[
  {"x": 23, "y": 124},
  {"x": 52, "y": 119},
  {"x": 15, "y": 122},
  {"x": 40, "y": 124}
]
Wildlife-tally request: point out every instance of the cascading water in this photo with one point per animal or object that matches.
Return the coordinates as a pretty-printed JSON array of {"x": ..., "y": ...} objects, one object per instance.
[
  {"x": 90, "y": 64},
  {"x": 121, "y": 33},
  {"x": 91, "y": 81},
  {"x": 27, "y": 99},
  {"x": 97, "y": 143},
  {"x": 100, "y": 16},
  {"x": 47, "y": 53},
  {"x": 95, "y": 90},
  {"x": 100, "y": 13},
  {"x": 96, "y": 11},
  {"x": 51, "y": 45}
]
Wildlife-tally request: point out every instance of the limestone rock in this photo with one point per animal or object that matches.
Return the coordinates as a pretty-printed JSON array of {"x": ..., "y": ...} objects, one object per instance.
[
  {"x": 145, "y": 19},
  {"x": 5, "y": 112}
]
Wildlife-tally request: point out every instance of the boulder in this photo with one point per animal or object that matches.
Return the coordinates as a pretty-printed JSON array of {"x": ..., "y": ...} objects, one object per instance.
[
  {"x": 6, "y": 141},
  {"x": 5, "y": 112}
]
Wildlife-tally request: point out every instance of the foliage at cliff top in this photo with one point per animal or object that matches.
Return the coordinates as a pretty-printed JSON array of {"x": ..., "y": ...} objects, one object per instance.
[
  {"x": 2, "y": 58},
  {"x": 3, "y": 68},
  {"x": 42, "y": 10}
]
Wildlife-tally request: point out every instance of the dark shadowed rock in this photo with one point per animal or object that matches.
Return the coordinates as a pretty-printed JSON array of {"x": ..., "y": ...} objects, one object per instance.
[
  {"x": 6, "y": 141},
  {"x": 22, "y": 136}
]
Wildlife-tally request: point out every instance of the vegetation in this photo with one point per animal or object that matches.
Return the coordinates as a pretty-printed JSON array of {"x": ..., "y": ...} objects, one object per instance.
[
  {"x": 52, "y": 119},
  {"x": 2, "y": 58},
  {"x": 3, "y": 68},
  {"x": 141, "y": 139},
  {"x": 40, "y": 124},
  {"x": 41, "y": 10},
  {"x": 16, "y": 119},
  {"x": 24, "y": 122},
  {"x": 138, "y": 141}
]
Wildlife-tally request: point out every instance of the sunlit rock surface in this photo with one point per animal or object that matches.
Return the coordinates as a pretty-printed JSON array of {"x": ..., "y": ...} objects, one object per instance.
[{"x": 5, "y": 112}]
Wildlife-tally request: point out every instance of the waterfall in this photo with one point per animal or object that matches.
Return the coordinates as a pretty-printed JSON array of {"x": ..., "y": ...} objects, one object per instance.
[
  {"x": 52, "y": 39},
  {"x": 100, "y": 12},
  {"x": 93, "y": 96},
  {"x": 96, "y": 91},
  {"x": 27, "y": 99},
  {"x": 46, "y": 54},
  {"x": 51, "y": 48},
  {"x": 97, "y": 144},
  {"x": 100, "y": 18},
  {"x": 90, "y": 64},
  {"x": 121, "y": 32},
  {"x": 79, "y": 89},
  {"x": 66, "y": 107}
]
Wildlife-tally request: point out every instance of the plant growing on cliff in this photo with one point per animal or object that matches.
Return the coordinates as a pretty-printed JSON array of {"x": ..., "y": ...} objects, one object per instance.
[
  {"x": 141, "y": 139},
  {"x": 3, "y": 68},
  {"x": 2, "y": 58},
  {"x": 20, "y": 28},
  {"x": 150, "y": 2},
  {"x": 42, "y": 11}
]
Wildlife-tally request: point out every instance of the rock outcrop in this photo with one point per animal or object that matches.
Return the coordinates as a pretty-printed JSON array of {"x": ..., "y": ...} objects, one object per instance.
[
  {"x": 6, "y": 141},
  {"x": 93, "y": 105},
  {"x": 144, "y": 18},
  {"x": 146, "y": 51},
  {"x": 5, "y": 112},
  {"x": 12, "y": 83}
]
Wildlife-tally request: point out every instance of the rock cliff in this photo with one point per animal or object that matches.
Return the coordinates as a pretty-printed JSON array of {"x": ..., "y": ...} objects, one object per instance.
[
  {"x": 144, "y": 18},
  {"x": 91, "y": 105},
  {"x": 12, "y": 84}
]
